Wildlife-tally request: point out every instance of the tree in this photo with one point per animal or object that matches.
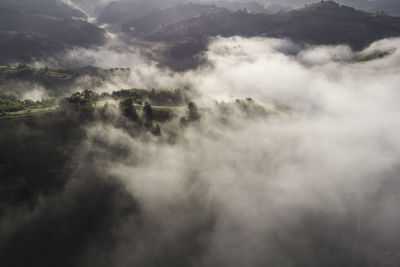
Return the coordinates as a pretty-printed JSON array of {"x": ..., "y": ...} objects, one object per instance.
[
  {"x": 128, "y": 110},
  {"x": 193, "y": 112},
  {"x": 148, "y": 111},
  {"x": 85, "y": 101},
  {"x": 157, "y": 130},
  {"x": 148, "y": 115}
]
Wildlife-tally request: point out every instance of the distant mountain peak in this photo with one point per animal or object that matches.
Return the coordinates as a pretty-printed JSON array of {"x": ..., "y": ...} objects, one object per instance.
[
  {"x": 326, "y": 4},
  {"x": 331, "y": 5}
]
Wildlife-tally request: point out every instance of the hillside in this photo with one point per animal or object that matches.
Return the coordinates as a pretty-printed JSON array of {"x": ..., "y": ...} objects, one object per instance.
[
  {"x": 23, "y": 47},
  {"x": 69, "y": 31},
  {"x": 330, "y": 23},
  {"x": 252, "y": 6},
  {"x": 40, "y": 7},
  {"x": 320, "y": 23},
  {"x": 56, "y": 82},
  {"x": 163, "y": 16},
  {"x": 118, "y": 12},
  {"x": 39, "y": 28},
  {"x": 392, "y": 7}
]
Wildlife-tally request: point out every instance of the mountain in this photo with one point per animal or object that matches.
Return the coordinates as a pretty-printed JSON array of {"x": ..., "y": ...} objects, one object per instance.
[
  {"x": 52, "y": 8},
  {"x": 126, "y": 11},
  {"x": 325, "y": 22},
  {"x": 36, "y": 28},
  {"x": 330, "y": 23},
  {"x": 50, "y": 18},
  {"x": 163, "y": 16},
  {"x": 118, "y": 12},
  {"x": 391, "y": 7},
  {"x": 251, "y": 6},
  {"x": 21, "y": 79},
  {"x": 23, "y": 47}
]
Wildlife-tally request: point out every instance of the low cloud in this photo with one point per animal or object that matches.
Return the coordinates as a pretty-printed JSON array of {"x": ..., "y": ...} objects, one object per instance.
[
  {"x": 24, "y": 90},
  {"x": 280, "y": 191},
  {"x": 313, "y": 184}
]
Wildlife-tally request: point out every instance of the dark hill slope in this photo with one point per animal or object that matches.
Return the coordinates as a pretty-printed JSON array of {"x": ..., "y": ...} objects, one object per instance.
[
  {"x": 391, "y": 7},
  {"x": 320, "y": 23},
  {"x": 43, "y": 7},
  {"x": 123, "y": 10},
  {"x": 51, "y": 18},
  {"x": 23, "y": 47},
  {"x": 69, "y": 31},
  {"x": 163, "y": 16},
  {"x": 329, "y": 23},
  {"x": 37, "y": 28}
]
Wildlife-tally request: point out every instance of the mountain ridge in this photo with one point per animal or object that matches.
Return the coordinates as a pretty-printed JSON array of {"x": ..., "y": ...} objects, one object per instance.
[
  {"x": 29, "y": 31},
  {"x": 323, "y": 23}
]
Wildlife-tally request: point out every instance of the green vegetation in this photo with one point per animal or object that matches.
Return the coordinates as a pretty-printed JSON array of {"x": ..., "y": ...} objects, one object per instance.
[
  {"x": 85, "y": 101},
  {"x": 251, "y": 108},
  {"x": 44, "y": 76},
  {"x": 155, "y": 97},
  {"x": 135, "y": 106},
  {"x": 37, "y": 160},
  {"x": 376, "y": 54},
  {"x": 157, "y": 105},
  {"x": 193, "y": 113},
  {"x": 55, "y": 80},
  {"x": 162, "y": 113},
  {"x": 11, "y": 104},
  {"x": 91, "y": 103},
  {"x": 128, "y": 110}
]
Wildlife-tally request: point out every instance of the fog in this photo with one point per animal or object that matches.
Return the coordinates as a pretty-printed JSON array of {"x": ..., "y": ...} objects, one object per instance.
[
  {"x": 308, "y": 188},
  {"x": 313, "y": 182}
]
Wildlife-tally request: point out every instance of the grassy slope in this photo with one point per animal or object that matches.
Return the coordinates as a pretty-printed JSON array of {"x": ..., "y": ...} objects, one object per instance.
[
  {"x": 28, "y": 112},
  {"x": 158, "y": 109}
]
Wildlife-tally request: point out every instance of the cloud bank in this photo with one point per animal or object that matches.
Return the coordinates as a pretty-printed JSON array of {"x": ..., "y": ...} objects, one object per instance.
[{"x": 314, "y": 183}]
